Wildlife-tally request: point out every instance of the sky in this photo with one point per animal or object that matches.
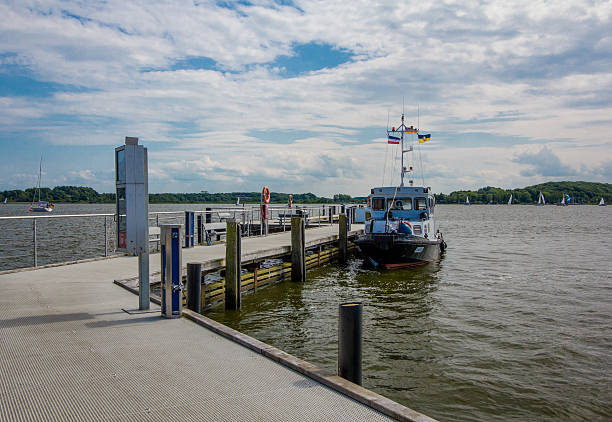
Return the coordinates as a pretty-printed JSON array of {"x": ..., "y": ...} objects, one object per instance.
[{"x": 298, "y": 95}]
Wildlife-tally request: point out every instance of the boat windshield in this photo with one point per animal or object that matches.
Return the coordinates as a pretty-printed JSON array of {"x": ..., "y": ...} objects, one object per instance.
[
  {"x": 378, "y": 203},
  {"x": 420, "y": 203},
  {"x": 402, "y": 204}
]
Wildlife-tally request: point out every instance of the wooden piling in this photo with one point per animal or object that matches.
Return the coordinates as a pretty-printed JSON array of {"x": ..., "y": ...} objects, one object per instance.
[
  {"x": 194, "y": 286},
  {"x": 298, "y": 250},
  {"x": 232, "y": 266},
  {"x": 343, "y": 237}
]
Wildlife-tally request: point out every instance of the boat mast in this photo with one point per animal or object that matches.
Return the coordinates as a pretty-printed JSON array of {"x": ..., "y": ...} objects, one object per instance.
[{"x": 403, "y": 168}]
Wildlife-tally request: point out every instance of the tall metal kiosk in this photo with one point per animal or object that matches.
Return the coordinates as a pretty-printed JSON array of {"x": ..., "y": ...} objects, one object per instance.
[{"x": 131, "y": 178}]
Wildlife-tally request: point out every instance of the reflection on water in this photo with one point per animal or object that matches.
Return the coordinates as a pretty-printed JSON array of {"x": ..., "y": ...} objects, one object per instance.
[{"x": 512, "y": 324}]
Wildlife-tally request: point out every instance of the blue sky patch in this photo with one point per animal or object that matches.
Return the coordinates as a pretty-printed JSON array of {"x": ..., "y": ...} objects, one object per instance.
[
  {"x": 22, "y": 84},
  {"x": 311, "y": 57}
]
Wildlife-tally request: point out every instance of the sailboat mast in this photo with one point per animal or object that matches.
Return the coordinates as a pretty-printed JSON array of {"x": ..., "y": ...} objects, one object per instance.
[{"x": 39, "y": 177}]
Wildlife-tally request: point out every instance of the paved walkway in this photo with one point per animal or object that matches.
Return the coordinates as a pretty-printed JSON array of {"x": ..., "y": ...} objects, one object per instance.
[{"x": 69, "y": 352}]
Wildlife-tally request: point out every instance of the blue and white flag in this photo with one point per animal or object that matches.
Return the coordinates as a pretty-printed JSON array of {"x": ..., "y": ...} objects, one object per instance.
[{"x": 393, "y": 140}]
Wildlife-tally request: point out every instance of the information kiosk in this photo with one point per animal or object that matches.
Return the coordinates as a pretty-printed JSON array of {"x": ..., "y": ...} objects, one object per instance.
[{"x": 131, "y": 178}]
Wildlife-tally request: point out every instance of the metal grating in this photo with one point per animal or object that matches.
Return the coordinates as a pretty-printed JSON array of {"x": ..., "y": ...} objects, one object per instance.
[{"x": 68, "y": 352}]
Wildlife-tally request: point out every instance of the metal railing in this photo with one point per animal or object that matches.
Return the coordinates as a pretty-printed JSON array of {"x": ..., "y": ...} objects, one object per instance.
[{"x": 249, "y": 215}]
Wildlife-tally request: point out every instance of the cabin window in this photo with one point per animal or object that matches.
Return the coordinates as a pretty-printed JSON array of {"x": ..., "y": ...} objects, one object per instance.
[
  {"x": 420, "y": 203},
  {"x": 378, "y": 203},
  {"x": 404, "y": 204}
]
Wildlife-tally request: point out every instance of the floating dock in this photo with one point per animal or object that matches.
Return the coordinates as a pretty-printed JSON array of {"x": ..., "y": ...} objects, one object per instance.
[{"x": 70, "y": 351}]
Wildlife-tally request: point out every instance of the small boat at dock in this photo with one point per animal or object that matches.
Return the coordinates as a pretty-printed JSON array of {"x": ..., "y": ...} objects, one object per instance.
[{"x": 399, "y": 220}]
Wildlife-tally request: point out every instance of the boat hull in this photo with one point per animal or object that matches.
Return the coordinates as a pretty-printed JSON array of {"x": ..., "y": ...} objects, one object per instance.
[{"x": 390, "y": 250}]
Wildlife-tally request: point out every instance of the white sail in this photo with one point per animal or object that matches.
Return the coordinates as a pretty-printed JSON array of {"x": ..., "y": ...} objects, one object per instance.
[
  {"x": 510, "y": 200},
  {"x": 467, "y": 200},
  {"x": 541, "y": 200},
  {"x": 602, "y": 203}
]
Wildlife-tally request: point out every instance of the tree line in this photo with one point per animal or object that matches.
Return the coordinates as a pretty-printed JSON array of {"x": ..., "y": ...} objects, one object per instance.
[
  {"x": 580, "y": 192},
  {"x": 81, "y": 194}
]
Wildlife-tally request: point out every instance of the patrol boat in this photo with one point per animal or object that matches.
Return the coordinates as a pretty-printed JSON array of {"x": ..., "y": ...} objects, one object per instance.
[{"x": 399, "y": 220}]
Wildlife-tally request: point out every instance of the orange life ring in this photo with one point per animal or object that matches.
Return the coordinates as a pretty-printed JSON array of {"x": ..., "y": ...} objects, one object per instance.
[{"x": 265, "y": 195}]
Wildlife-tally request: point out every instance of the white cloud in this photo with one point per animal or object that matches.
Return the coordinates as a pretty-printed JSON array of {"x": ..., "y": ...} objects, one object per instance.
[{"x": 508, "y": 69}]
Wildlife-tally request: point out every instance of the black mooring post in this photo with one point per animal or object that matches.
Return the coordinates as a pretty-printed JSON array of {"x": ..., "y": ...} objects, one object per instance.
[
  {"x": 194, "y": 286},
  {"x": 349, "y": 341},
  {"x": 201, "y": 236}
]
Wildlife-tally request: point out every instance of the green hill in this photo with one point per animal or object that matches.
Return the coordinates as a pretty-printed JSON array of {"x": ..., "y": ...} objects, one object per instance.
[{"x": 580, "y": 192}]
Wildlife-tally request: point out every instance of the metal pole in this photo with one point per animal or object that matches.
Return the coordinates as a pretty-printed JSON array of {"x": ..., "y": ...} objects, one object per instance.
[
  {"x": 35, "y": 245},
  {"x": 105, "y": 238},
  {"x": 144, "y": 301},
  {"x": 194, "y": 286},
  {"x": 349, "y": 341}
]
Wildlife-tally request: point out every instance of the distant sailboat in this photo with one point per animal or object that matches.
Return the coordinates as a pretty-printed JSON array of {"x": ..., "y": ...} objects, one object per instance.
[
  {"x": 601, "y": 203},
  {"x": 541, "y": 200},
  {"x": 40, "y": 206},
  {"x": 467, "y": 200},
  {"x": 510, "y": 200},
  {"x": 564, "y": 200},
  {"x": 7, "y": 198}
]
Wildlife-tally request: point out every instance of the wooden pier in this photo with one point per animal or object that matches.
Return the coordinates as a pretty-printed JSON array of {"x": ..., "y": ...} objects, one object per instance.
[{"x": 69, "y": 351}]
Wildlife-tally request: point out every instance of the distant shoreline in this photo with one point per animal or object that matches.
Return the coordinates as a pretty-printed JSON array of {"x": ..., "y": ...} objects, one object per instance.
[{"x": 580, "y": 192}]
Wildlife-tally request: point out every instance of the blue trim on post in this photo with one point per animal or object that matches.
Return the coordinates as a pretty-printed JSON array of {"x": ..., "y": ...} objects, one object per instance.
[
  {"x": 176, "y": 293},
  {"x": 163, "y": 280}
]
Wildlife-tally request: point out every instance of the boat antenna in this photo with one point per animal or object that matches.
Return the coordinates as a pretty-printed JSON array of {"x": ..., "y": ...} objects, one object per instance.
[
  {"x": 419, "y": 145},
  {"x": 386, "y": 151}
]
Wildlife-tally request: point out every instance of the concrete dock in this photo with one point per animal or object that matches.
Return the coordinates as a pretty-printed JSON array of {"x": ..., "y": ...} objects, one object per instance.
[{"x": 69, "y": 352}]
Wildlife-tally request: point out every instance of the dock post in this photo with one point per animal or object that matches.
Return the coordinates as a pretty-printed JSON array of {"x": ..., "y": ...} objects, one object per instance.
[
  {"x": 232, "y": 266},
  {"x": 189, "y": 229},
  {"x": 194, "y": 286},
  {"x": 349, "y": 341},
  {"x": 201, "y": 237},
  {"x": 331, "y": 214},
  {"x": 343, "y": 237},
  {"x": 298, "y": 250},
  {"x": 171, "y": 256}
]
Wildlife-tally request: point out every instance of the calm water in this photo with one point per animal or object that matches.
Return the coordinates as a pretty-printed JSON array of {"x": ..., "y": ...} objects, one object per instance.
[
  {"x": 512, "y": 324},
  {"x": 67, "y": 239}
]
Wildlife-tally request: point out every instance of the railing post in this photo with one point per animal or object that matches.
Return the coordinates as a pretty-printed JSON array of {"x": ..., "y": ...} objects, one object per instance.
[
  {"x": 232, "y": 266},
  {"x": 105, "y": 238},
  {"x": 298, "y": 253},
  {"x": 35, "y": 245},
  {"x": 349, "y": 341}
]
